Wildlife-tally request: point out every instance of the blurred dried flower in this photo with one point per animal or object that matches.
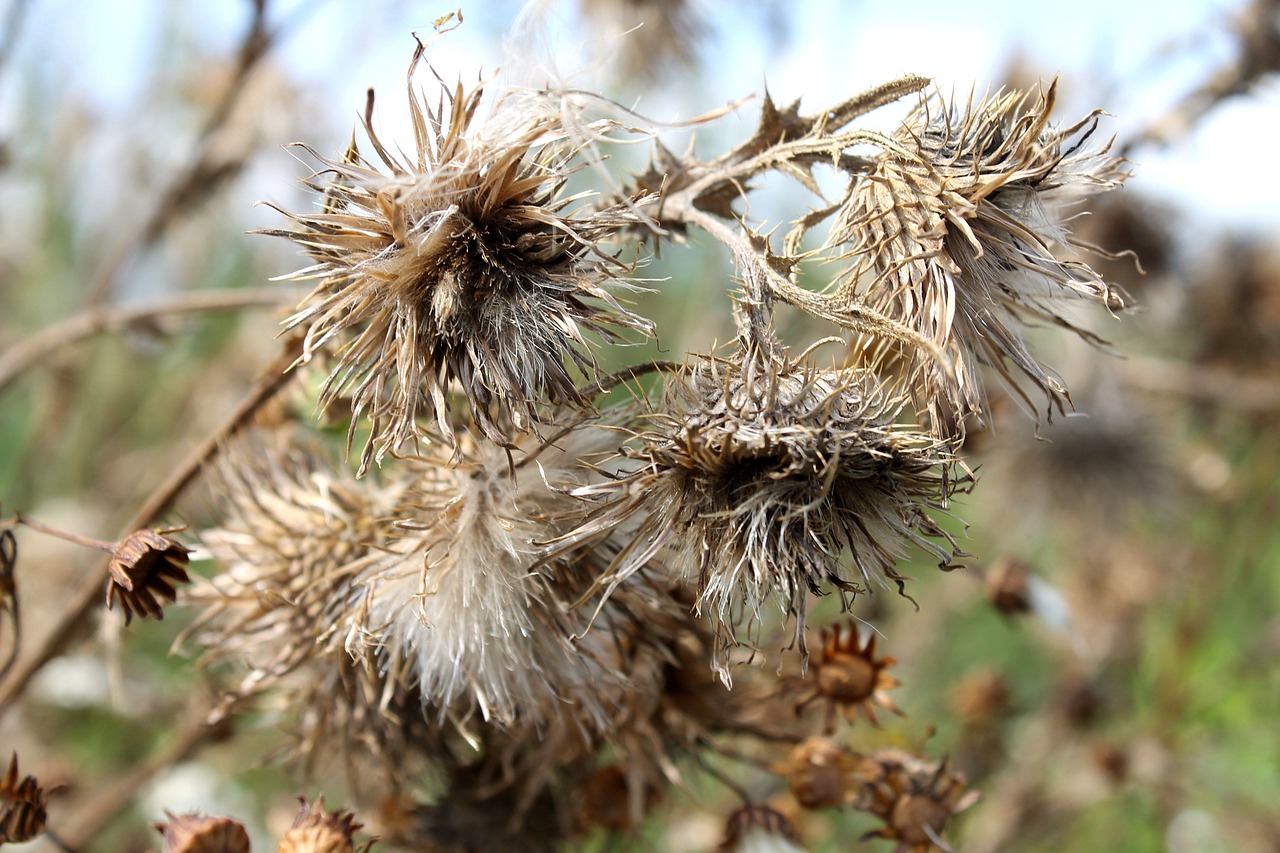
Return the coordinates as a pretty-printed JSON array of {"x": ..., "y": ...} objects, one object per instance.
[
  {"x": 956, "y": 225},
  {"x": 756, "y": 475},
  {"x": 197, "y": 833},
  {"x": 848, "y": 677},
  {"x": 822, "y": 774},
  {"x": 460, "y": 269},
  {"x": 1008, "y": 585},
  {"x": 316, "y": 830},
  {"x": 22, "y": 806},
  {"x": 983, "y": 697},
  {"x": 915, "y": 798},
  {"x": 296, "y": 530},
  {"x": 146, "y": 566},
  {"x": 759, "y": 829},
  {"x": 461, "y": 605}
]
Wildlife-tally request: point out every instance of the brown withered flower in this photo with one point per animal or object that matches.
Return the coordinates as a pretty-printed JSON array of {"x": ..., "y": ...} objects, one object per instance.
[
  {"x": 757, "y": 475},
  {"x": 915, "y": 799},
  {"x": 146, "y": 566},
  {"x": 822, "y": 774},
  {"x": 952, "y": 234},
  {"x": 197, "y": 833},
  {"x": 296, "y": 529},
  {"x": 23, "y": 806},
  {"x": 847, "y": 677},
  {"x": 759, "y": 829},
  {"x": 460, "y": 267},
  {"x": 317, "y": 830}
]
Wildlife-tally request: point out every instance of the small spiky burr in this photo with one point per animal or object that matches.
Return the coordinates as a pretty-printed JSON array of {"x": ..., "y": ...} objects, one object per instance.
[{"x": 462, "y": 269}]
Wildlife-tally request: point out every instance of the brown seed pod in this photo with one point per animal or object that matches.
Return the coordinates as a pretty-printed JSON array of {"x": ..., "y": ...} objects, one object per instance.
[
  {"x": 316, "y": 830},
  {"x": 145, "y": 567},
  {"x": 197, "y": 833},
  {"x": 847, "y": 677},
  {"x": 22, "y": 806}
]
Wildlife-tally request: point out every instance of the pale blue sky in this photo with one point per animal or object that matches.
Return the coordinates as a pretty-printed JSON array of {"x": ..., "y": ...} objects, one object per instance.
[{"x": 1134, "y": 55}]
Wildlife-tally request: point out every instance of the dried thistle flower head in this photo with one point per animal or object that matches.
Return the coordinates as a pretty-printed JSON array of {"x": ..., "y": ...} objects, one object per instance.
[
  {"x": 145, "y": 567},
  {"x": 197, "y": 833},
  {"x": 822, "y": 774},
  {"x": 23, "y": 806},
  {"x": 462, "y": 607},
  {"x": 316, "y": 830},
  {"x": 848, "y": 677},
  {"x": 295, "y": 532},
  {"x": 915, "y": 798},
  {"x": 461, "y": 267},
  {"x": 952, "y": 233},
  {"x": 759, "y": 829},
  {"x": 757, "y": 473}
]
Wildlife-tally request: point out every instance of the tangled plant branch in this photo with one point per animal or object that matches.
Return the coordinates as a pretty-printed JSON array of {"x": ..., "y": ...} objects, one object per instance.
[{"x": 551, "y": 585}]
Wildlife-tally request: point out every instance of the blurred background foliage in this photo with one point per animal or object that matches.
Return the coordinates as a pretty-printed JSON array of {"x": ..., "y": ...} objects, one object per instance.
[{"x": 1104, "y": 668}]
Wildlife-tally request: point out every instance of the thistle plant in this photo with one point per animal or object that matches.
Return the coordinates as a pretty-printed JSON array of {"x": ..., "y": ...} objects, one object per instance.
[{"x": 553, "y": 583}]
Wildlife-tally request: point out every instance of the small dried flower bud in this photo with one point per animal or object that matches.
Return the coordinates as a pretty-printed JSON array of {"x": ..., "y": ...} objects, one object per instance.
[
  {"x": 848, "y": 677},
  {"x": 915, "y": 798},
  {"x": 22, "y": 806},
  {"x": 759, "y": 829},
  {"x": 822, "y": 773},
  {"x": 982, "y": 697},
  {"x": 197, "y": 833},
  {"x": 1008, "y": 587},
  {"x": 146, "y": 566},
  {"x": 316, "y": 830}
]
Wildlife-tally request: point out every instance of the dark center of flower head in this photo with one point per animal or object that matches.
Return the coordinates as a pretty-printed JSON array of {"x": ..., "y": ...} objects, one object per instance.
[
  {"x": 916, "y": 816},
  {"x": 847, "y": 678}
]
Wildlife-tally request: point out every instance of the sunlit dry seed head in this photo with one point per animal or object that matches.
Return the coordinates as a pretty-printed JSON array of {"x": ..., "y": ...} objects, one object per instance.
[
  {"x": 759, "y": 829},
  {"x": 316, "y": 830},
  {"x": 197, "y": 833},
  {"x": 296, "y": 529},
  {"x": 464, "y": 609},
  {"x": 952, "y": 234},
  {"x": 822, "y": 774},
  {"x": 758, "y": 478},
  {"x": 914, "y": 798},
  {"x": 847, "y": 677},
  {"x": 146, "y": 566},
  {"x": 461, "y": 266},
  {"x": 23, "y": 806}
]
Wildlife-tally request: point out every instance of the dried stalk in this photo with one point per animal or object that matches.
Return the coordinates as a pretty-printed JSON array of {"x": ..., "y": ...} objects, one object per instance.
[
  {"x": 33, "y": 350},
  {"x": 89, "y": 594}
]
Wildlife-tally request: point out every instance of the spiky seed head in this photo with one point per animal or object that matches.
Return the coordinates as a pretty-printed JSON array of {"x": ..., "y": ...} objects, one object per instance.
[
  {"x": 295, "y": 530},
  {"x": 756, "y": 475},
  {"x": 847, "y": 677},
  {"x": 463, "y": 608},
  {"x": 914, "y": 797},
  {"x": 23, "y": 806},
  {"x": 317, "y": 830},
  {"x": 952, "y": 233},
  {"x": 146, "y": 566},
  {"x": 822, "y": 774},
  {"x": 759, "y": 829},
  {"x": 462, "y": 266},
  {"x": 197, "y": 833}
]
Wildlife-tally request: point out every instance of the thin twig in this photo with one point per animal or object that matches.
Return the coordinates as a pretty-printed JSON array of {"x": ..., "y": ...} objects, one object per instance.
[
  {"x": 89, "y": 594},
  {"x": 35, "y": 349}
]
